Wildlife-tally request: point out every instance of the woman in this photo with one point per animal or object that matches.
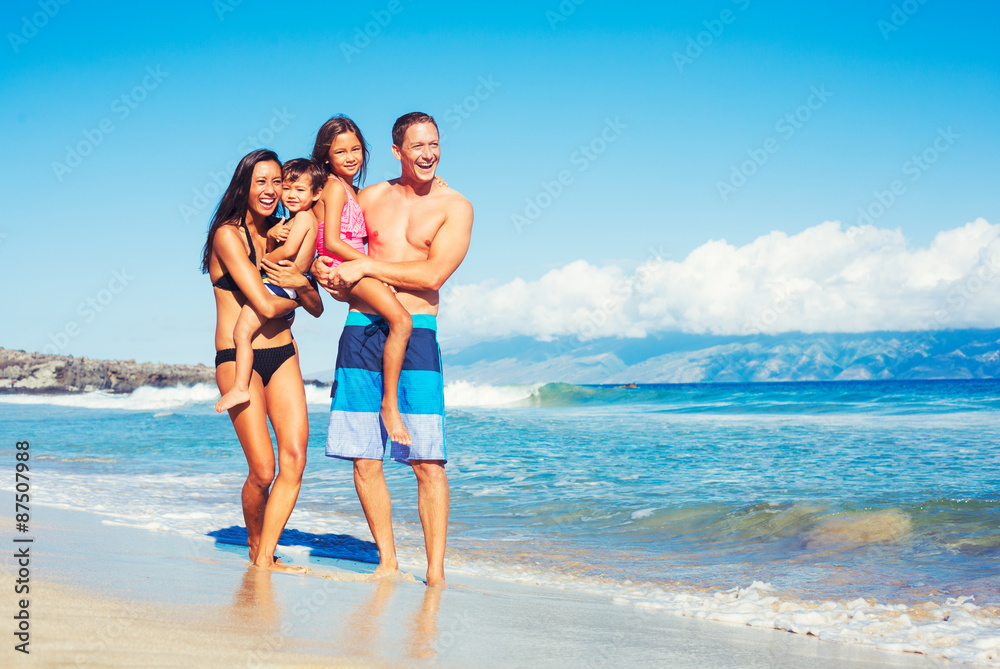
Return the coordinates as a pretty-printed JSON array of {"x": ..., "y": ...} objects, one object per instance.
[{"x": 237, "y": 238}]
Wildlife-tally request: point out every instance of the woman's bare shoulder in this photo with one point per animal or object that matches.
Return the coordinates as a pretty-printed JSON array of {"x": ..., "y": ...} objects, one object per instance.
[{"x": 229, "y": 234}]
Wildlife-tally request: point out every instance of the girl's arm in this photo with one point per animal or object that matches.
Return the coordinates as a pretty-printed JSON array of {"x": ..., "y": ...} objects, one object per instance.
[
  {"x": 340, "y": 248},
  {"x": 334, "y": 200},
  {"x": 229, "y": 248}
]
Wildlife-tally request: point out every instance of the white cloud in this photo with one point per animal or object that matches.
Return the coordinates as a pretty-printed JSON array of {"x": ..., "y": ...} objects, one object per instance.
[{"x": 823, "y": 279}]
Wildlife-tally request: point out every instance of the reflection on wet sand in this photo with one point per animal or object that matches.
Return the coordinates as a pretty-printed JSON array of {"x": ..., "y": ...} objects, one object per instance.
[
  {"x": 423, "y": 629},
  {"x": 253, "y": 603},
  {"x": 363, "y": 628}
]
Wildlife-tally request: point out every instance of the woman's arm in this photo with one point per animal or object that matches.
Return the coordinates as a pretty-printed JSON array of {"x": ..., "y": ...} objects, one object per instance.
[
  {"x": 284, "y": 273},
  {"x": 228, "y": 247}
]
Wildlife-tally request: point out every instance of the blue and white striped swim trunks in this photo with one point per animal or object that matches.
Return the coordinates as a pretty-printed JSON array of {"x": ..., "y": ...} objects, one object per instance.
[{"x": 356, "y": 429}]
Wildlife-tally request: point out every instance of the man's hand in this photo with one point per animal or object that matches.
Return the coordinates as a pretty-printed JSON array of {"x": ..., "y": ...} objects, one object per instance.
[
  {"x": 349, "y": 273},
  {"x": 324, "y": 274},
  {"x": 322, "y": 271}
]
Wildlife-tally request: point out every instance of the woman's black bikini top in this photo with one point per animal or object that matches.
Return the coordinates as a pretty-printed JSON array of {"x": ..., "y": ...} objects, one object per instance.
[{"x": 225, "y": 282}]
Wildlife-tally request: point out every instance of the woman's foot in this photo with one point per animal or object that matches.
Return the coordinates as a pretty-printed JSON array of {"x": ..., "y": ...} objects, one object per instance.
[
  {"x": 232, "y": 399},
  {"x": 279, "y": 566},
  {"x": 394, "y": 425},
  {"x": 436, "y": 581},
  {"x": 385, "y": 570}
]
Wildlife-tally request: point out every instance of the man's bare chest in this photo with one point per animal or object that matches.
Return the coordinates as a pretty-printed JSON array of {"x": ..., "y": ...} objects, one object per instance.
[{"x": 393, "y": 232}]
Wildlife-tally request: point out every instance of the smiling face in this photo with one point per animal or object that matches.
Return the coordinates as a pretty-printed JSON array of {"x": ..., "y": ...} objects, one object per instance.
[
  {"x": 346, "y": 155},
  {"x": 299, "y": 194},
  {"x": 265, "y": 185},
  {"x": 419, "y": 155}
]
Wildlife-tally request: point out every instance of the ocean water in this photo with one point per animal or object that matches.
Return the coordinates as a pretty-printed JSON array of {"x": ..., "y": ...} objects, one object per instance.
[{"x": 861, "y": 512}]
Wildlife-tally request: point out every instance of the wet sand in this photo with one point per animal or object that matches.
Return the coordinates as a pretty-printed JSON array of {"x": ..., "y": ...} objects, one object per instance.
[{"x": 105, "y": 595}]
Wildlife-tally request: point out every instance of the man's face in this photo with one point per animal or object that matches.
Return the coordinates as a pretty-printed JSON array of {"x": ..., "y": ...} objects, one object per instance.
[{"x": 420, "y": 153}]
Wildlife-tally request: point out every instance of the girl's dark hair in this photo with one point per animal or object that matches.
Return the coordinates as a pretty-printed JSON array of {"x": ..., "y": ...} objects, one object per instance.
[
  {"x": 338, "y": 125},
  {"x": 236, "y": 199}
]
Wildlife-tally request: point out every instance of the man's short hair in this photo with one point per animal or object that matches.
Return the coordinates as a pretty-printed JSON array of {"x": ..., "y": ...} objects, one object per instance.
[
  {"x": 404, "y": 122},
  {"x": 297, "y": 167}
]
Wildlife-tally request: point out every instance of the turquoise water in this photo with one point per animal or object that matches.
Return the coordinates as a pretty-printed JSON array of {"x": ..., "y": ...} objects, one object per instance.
[{"x": 827, "y": 491}]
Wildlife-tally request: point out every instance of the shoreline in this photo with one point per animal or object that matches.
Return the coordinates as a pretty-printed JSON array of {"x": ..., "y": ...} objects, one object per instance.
[{"x": 204, "y": 606}]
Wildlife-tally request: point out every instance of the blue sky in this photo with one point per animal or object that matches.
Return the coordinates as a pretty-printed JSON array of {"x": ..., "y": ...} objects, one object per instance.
[{"x": 643, "y": 109}]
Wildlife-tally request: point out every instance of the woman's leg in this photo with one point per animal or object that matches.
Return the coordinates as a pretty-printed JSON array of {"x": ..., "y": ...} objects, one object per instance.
[
  {"x": 247, "y": 327},
  {"x": 380, "y": 297},
  {"x": 250, "y": 422},
  {"x": 286, "y": 406}
]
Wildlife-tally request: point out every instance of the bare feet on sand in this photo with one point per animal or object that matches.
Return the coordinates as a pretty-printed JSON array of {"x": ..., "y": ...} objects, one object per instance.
[
  {"x": 394, "y": 426},
  {"x": 275, "y": 564},
  {"x": 279, "y": 566},
  {"x": 385, "y": 570},
  {"x": 436, "y": 581},
  {"x": 232, "y": 399}
]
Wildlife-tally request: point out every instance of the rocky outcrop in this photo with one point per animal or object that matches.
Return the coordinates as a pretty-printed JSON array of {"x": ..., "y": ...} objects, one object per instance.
[{"x": 23, "y": 372}]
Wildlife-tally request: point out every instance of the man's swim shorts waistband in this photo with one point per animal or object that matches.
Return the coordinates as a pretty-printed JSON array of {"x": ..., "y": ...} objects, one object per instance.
[{"x": 425, "y": 321}]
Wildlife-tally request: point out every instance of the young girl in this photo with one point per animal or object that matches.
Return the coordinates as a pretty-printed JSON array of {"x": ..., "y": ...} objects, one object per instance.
[
  {"x": 301, "y": 186},
  {"x": 341, "y": 150}
]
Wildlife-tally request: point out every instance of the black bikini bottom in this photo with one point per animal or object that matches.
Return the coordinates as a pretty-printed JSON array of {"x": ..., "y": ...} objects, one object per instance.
[{"x": 266, "y": 361}]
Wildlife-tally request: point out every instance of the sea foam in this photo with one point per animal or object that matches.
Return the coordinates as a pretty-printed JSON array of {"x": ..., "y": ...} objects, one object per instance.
[
  {"x": 466, "y": 394},
  {"x": 145, "y": 398}
]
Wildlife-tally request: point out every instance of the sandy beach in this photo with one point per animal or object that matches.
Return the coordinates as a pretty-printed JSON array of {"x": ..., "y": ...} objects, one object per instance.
[{"x": 105, "y": 595}]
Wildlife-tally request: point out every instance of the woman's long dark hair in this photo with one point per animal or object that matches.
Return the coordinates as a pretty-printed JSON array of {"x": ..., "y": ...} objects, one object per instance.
[
  {"x": 338, "y": 125},
  {"x": 236, "y": 199}
]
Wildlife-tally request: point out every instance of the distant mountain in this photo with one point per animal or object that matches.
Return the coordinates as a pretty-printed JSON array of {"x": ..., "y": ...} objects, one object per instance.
[
  {"x": 682, "y": 358},
  {"x": 669, "y": 358}
]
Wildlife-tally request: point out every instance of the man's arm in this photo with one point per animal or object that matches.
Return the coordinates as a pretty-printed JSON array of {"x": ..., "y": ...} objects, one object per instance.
[{"x": 446, "y": 253}]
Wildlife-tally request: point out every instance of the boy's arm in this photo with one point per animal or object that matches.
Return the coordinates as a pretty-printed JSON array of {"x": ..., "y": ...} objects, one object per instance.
[
  {"x": 300, "y": 225},
  {"x": 277, "y": 234},
  {"x": 307, "y": 249},
  {"x": 446, "y": 253}
]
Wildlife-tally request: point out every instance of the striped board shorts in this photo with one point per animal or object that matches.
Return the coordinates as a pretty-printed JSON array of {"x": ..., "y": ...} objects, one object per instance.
[{"x": 356, "y": 429}]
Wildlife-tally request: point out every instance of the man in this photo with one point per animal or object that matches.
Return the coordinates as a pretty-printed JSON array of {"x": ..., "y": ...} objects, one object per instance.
[{"x": 418, "y": 234}]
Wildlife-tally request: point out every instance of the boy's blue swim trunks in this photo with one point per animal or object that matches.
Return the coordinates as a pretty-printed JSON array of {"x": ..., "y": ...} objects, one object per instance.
[{"x": 356, "y": 429}]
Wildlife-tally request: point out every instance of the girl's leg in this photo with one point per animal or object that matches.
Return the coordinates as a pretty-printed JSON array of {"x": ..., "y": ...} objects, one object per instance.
[
  {"x": 247, "y": 326},
  {"x": 250, "y": 422},
  {"x": 286, "y": 406},
  {"x": 380, "y": 297}
]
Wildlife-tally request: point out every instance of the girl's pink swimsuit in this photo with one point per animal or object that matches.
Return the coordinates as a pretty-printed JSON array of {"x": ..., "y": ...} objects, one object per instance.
[{"x": 352, "y": 227}]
